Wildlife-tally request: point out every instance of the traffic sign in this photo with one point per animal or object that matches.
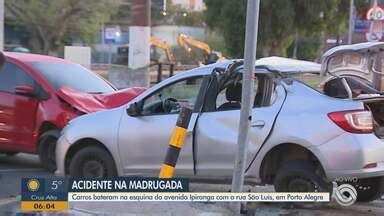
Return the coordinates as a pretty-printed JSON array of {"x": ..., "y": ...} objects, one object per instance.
[
  {"x": 361, "y": 26},
  {"x": 374, "y": 36},
  {"x": 111, "y": 34},
  {"x": 375, "y": 13}
]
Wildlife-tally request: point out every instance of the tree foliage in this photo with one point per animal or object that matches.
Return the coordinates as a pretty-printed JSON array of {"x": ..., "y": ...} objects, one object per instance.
[
  {"x": 50, "y": 23},
  {"x": 279, "y": 21},
  {"x": 229, "y": 19},
  {"x": 177, "y": 15}
]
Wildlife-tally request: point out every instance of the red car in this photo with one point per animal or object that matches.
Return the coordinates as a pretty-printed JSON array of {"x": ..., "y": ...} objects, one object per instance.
[{"x": 40, "y": 94}]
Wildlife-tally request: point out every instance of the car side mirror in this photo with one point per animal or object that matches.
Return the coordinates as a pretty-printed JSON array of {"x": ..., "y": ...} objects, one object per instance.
[
  {"x": 134, "y": 110},
  {"x": 25, "y": 90}
]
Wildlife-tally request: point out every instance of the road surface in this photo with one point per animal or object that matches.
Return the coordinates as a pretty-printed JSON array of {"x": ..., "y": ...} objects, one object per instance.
[{"x": 13, "y": 168}]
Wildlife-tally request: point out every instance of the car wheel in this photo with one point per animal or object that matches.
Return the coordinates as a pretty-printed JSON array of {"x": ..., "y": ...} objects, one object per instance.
[
  {"x": 92, "y": 162},
  {"x": 369, "y": 189},
  {"x": 300, "y": 176},
  {"x": 47, "y": 148}
]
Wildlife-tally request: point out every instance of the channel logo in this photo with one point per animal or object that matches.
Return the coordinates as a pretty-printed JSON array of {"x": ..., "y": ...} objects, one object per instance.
[{"x": 345, "y": 195}]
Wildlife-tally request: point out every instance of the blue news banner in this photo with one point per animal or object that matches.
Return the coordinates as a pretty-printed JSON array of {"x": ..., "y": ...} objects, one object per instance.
[{"x": 53, "y": 194}]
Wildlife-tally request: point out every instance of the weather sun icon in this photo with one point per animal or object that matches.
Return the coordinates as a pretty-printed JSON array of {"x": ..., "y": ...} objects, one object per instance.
[{"x": 33, "y": 185}]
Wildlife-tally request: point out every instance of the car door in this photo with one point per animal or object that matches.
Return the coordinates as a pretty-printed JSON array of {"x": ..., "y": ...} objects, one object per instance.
[
  {"x": 144, "y": 139},
  {"x": 17, "y": 112},
  {"x": 217, "y": 129}
]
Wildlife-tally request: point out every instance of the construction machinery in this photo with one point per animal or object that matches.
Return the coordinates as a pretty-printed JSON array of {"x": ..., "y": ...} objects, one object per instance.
[
  {"x": 210, "y": 56},
  {"x": 164, "y": 46},
  {"x": 122, "y": 51}
]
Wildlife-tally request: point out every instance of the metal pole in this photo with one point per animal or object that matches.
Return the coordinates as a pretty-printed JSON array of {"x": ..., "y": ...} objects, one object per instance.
[
  {"x": 164, "y": 5},
  {"x": 252, "y": 23},
  {"x": 103, "y": 41},
  {"x": 351, "y": 23},
  {"x": 1, "y": 25},
  {"x": 296, "y": 44},
  {"x": 109, "y": 54},
  {"x": 377, "y": 78},
  {"x": 159, "y": 72}
]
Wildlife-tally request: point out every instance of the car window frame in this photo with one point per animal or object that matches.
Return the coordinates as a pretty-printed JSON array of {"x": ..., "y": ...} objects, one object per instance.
[
  {"x": 267, "y": 81},
  {"x": 197, "y": 104},
  {"x": 35, "y": 83}
]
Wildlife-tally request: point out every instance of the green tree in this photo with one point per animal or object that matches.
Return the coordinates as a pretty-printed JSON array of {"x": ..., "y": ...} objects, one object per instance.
[
  {"x": 122, "y": 16},
  {"x": 176, "y": 15},
  {"x": 337, "y": 22},
  {"x": 50, "y": 23},
  {"x": 280, "y": 21},
  {"x": 276, "y": 26},
  {"x": 228, "y": 18}
]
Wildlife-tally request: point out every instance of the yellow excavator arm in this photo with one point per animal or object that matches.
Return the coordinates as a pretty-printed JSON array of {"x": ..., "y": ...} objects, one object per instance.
[
  {"x": 211, "y": 56},
  {"x": 186, "y": 41},
  {"x": 165, "y": 46}
]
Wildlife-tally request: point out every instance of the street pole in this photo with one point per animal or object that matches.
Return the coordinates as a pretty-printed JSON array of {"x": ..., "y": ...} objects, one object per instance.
[
  {"x": 139, "y": 34},
  {"x": 252, "y": 23},
  {"x": 109, "y": 54},
  {"x": 296, "y": 44},
  {"x": 164, "y": 6},
  {"x": 377, "y": 78},
  {"x": 351, "y": 23},
  {"x": 1, "y": 25},
  {"x": 139, "y": 39},
  {"x": 103, "y": 42}
]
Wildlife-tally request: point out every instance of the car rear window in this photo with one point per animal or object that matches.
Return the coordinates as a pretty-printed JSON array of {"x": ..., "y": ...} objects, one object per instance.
[
  {"x": 72, "y": 75},
  {"x": 310, "y": 79}
]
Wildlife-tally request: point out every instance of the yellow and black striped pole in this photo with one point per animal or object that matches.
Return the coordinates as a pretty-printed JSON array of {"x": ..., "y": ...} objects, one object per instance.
[{"x": 176, "y": 143}]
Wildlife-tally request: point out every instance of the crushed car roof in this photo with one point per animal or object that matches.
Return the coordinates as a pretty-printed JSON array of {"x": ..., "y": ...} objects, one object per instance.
[
  {"x": 360, "y": 47},
  {"x": 278, "y": 65},
  {"x": 266, "y": 65},
  {"x": 287, "y": 65}
]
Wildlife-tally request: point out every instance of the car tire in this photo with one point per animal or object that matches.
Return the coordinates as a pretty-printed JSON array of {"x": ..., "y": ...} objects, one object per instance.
[
  {"x": 92, "y": 162},
  {"x": 300, "y": 176},
  {"x": 369, "y": 189},
  {"x": 47, "y": 148}
]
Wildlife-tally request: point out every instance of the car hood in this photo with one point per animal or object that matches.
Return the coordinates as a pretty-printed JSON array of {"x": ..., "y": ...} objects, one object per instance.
[{"x": 87, "y": 103}]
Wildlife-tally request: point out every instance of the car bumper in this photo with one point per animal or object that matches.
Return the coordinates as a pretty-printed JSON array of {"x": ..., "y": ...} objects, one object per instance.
[
  {"x": 360, "y": 173},
  {"x": 62, "y": 147},
  {"x": 345, "y": 156}
]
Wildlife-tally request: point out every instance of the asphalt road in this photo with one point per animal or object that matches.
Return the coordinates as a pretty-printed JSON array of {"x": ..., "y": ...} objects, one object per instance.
[{"x": 14, "y": 168}]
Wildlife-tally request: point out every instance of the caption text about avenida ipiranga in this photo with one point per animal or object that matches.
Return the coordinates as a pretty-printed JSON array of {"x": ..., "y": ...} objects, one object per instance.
[
  {"x": 197, "y": 197},
  {"x": 171, "y": 190}
]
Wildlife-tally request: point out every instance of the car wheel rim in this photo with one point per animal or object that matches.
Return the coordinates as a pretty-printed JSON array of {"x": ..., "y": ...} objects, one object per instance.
[{"x": 93, "y": 169}]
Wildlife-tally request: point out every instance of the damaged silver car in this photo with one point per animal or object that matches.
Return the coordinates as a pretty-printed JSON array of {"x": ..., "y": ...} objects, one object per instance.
[{"x": 300, "y": 139}]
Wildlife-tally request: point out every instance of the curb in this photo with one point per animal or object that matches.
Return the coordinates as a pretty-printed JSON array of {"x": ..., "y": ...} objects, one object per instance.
[{"x": 8, "y": 201}]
